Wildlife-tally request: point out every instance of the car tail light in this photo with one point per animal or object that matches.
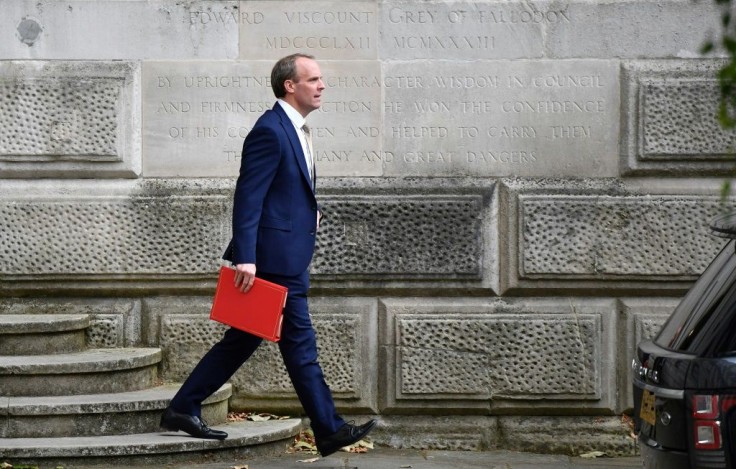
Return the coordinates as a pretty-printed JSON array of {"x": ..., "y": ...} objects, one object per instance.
[
  {"x": 705, "y": 407},
  {"x": 707, "y": 434},
  {"x": 707, "y": 412}
]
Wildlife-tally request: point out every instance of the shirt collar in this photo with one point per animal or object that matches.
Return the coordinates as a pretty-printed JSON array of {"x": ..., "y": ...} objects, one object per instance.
[{"x": 297, "y": 119}]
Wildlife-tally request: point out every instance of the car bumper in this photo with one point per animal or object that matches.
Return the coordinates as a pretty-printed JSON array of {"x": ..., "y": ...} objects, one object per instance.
[{"x": 656, "y": 457}]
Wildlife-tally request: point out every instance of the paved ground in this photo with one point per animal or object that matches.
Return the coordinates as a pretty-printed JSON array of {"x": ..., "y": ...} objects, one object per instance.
[{"x": 382, "y": 458}]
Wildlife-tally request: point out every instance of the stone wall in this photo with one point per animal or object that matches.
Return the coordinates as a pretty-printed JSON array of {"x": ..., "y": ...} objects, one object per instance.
[{"x": 516, "y": 193}]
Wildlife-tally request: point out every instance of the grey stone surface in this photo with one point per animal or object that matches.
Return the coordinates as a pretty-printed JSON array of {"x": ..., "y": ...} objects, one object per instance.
[
  {"x": 126, "y": 235},
  {"x": 113, "y": 322},
  {"x": 644, "y": 318},
  {"x": 400, "y": 263},
  {"x": 87, "y": 29},
  {"x": 329, "y": 30},
  {"x": 400, "y": 236},
  {"x": 106, "y": 331},
  {"x": 670, "y": 125},
  {"x": 100, "y": 414},
  {"x": 122, "y": 124},
  {"x": 90, "y": 371},
  {"x": 456, "y": 433},
  {"x": 39, "y": 323},
  {"x": 588, "y": 231},
  {"x": 42, "y": 343},
  {"x": 245, "y": 439},
  {"x": 422, "y": 459},
  {"x": 497, "y": 355},
  {"x": 568, "y": 435},
  {"x": 197, "y": 114},
  {"x": 636, "y": 248},
  {"x": 88, "y": 361},
  {"x": 347, "y": 347},
  {"x": 646, "y": 29},
  {"x": 69, "y": 119},
  {"x": 411, "y": 236},
  {"x": 537, "y": 434},
  {"x": 501, "y": 118}
]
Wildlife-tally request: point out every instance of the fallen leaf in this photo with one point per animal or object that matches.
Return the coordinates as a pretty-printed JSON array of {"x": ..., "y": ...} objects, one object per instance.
[
  {"x": 310, "y": 460},
  {"x": 253, "y": 416},
  {"x": 6, "y": 465},
  {"x": 593, "y": 454},
  {"x": 237, "y": 416},
  {"x": 245, "y": 466},
  {"x": 304, "y": 443},
  {"x": 360, "y": 447},
  {"x": 406, "y": 466}
]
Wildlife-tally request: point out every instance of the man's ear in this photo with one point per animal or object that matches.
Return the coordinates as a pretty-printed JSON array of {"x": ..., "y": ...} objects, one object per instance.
[{"x": 289, "y": 86}]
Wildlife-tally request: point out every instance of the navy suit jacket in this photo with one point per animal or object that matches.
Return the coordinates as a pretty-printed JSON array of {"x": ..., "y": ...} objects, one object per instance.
[{"x": 275, "y": 209}]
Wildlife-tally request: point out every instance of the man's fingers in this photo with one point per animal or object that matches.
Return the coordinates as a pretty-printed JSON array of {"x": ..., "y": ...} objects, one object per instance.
[
  {"x": 247, "y": 285},
  {"x": 238, "y": 279},
  {"x": 245, "y": 276}
]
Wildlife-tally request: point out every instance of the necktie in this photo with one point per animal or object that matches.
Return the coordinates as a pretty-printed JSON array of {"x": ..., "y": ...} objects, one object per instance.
[{"x": 310, "y": 161}]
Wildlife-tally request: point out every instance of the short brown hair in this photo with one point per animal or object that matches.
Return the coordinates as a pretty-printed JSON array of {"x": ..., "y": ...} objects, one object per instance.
[{"x": 285, "y": 69}]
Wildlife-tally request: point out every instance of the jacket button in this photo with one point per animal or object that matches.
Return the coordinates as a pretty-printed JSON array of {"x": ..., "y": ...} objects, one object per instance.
[
  {"x": 314, "y": 208},
  {"x": 311, "y": 233}
]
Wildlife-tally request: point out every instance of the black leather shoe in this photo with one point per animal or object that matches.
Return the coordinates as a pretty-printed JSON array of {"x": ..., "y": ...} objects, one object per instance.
[
  {"x": 195, "y": 426},
  {"x": 347, "y": 435}
]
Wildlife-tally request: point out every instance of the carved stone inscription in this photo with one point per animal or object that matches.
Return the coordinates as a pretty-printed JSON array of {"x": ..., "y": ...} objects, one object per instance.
[
  {"x": 498, "y": 118},
  {"x": 197, "y": 114},
  {"x": 418, "y": 30},
  {"x": 328, "y": 30}
]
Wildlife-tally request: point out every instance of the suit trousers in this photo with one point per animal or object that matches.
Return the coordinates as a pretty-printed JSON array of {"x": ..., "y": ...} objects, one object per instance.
[{"x": 298, "y": 348}]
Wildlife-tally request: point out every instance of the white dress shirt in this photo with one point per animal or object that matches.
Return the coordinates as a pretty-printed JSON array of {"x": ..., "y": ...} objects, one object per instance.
[{"x": 298, "y": 121}]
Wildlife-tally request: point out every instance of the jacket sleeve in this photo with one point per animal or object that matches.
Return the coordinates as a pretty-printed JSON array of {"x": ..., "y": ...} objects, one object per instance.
[{"x": 260, "y": 161}]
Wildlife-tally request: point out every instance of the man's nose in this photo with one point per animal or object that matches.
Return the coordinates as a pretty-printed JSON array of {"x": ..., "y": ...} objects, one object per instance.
[{"x": 321, "y": 85}]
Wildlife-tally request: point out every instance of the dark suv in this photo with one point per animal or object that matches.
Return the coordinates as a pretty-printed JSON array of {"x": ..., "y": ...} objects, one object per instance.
[{"x": 685, "y": 379}]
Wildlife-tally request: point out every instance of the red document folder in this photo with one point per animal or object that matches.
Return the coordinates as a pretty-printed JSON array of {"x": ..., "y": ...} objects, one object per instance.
[{"x": 259, "y": 312}]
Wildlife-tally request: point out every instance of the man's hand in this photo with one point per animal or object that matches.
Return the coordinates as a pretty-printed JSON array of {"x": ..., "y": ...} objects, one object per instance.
[
  {"x": 319, "y": 218},
  {"x": 245, "y": 275}
]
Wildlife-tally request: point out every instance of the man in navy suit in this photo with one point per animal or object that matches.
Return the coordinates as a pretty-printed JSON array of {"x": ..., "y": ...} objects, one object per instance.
[{"x": 275, "y": 221}]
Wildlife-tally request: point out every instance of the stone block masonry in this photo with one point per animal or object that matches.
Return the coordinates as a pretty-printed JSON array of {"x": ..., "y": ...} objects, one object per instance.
[{"x": 516, "y": 193}]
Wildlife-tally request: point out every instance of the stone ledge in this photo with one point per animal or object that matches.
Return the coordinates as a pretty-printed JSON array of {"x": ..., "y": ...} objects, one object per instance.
[
  {"x": 132, "y": 401},
  {"x": 245, "y": 438},
  {"x": 100, "y": 414},
  {"x": 567, "y": 435},
  {"x": 539, "y": 434},
  {"x": 90, "y": 361},
  {"x": 37, "y": 323}
]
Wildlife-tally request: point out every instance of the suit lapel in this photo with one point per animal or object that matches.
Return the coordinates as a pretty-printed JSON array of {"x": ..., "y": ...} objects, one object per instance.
[{"x": 296, "y": 145}]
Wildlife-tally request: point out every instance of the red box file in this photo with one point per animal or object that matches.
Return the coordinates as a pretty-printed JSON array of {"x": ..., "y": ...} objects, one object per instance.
[{"x": 259, "y": 312}]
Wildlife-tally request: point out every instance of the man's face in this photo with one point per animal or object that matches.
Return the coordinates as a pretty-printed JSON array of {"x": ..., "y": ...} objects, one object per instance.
[{"x": 306, "y": 91}]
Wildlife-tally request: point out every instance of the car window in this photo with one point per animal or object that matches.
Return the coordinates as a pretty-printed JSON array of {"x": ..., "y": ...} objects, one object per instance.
[{"x": 705, "y": 320}]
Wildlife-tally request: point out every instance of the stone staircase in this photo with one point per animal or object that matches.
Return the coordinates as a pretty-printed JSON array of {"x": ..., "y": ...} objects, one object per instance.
[{"x": 62, "y": 403}]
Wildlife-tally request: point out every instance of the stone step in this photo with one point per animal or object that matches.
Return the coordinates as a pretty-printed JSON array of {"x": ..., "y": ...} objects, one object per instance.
[
  {"x": 246, "y": 439},
  {"x": 98, "y": 414},
  {"x": 88, "y": 372},
  {"x": 42, "y": 334}
]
